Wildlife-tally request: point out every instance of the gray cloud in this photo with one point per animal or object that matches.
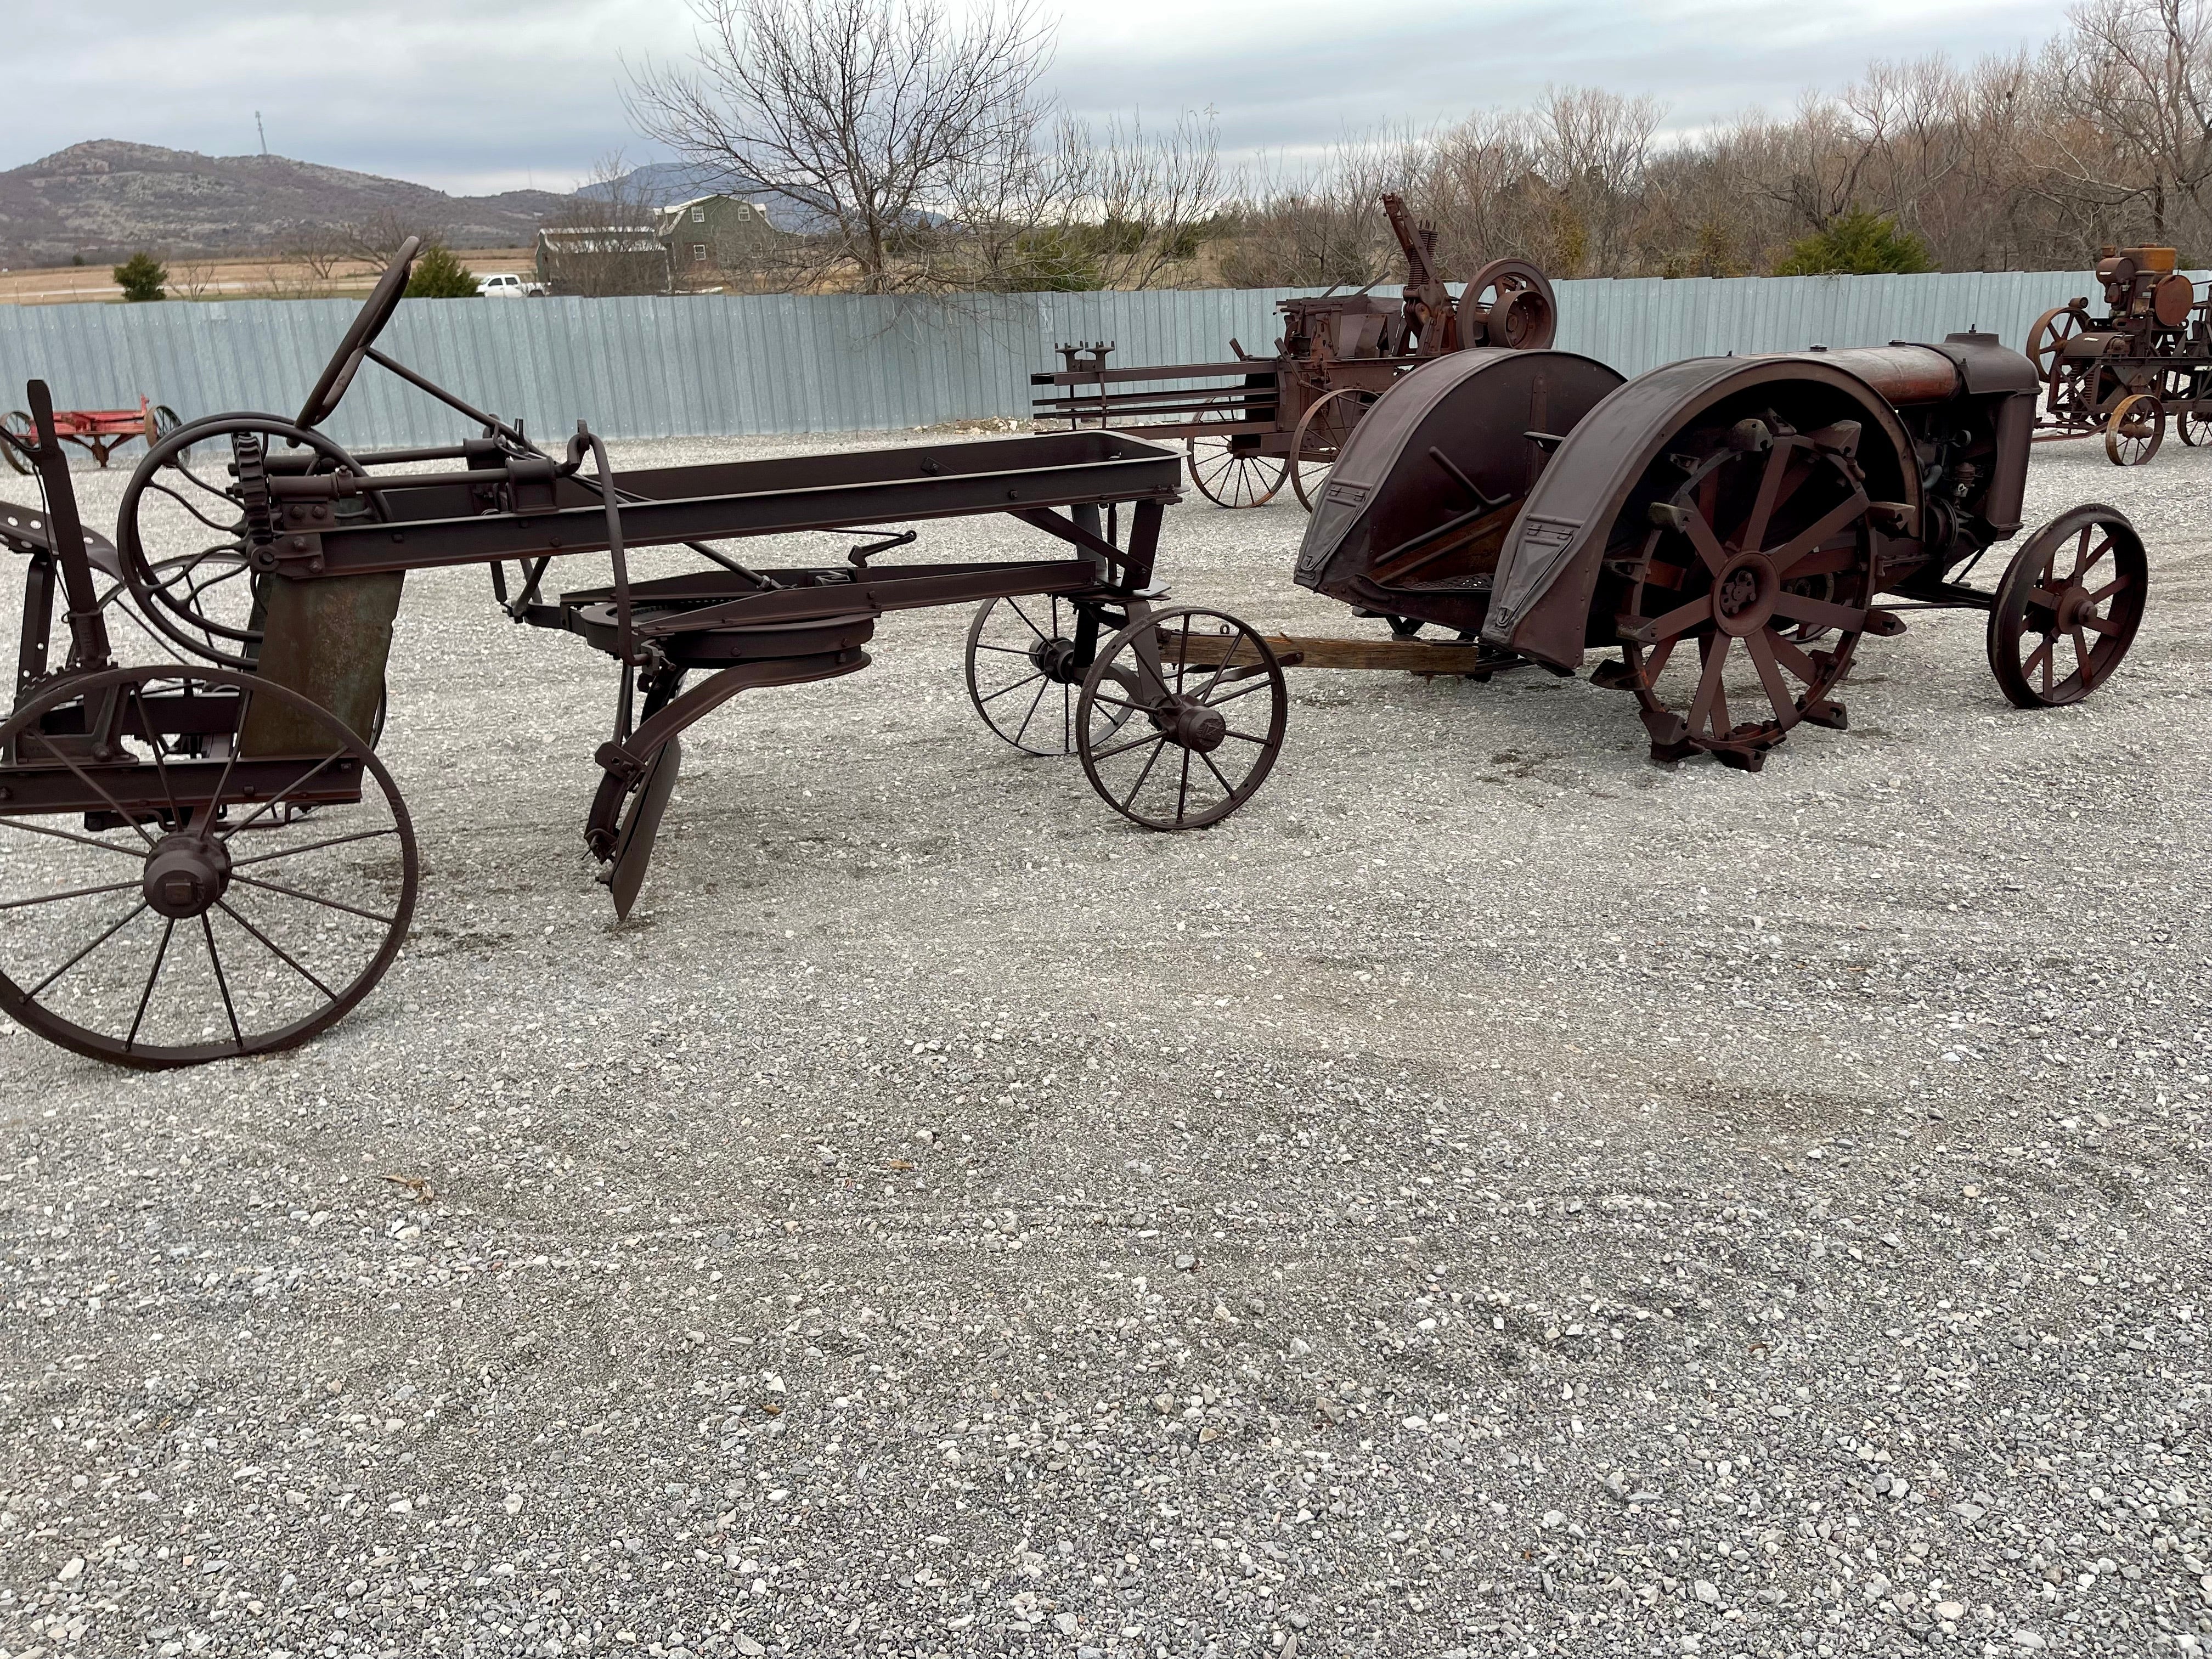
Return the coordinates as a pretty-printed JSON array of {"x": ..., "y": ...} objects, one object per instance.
[{"x": 497, "y": 92}]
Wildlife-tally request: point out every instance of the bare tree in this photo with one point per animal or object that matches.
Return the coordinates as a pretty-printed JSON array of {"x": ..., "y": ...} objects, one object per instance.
[
  {"x": 860, "y": 113},
  {"x": 2137, "y": 77},
  {"x": 1081, "y": 208},
  {"x": 375, "y": 240}
]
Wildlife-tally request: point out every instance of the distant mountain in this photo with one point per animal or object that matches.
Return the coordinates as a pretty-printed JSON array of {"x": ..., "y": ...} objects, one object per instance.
[
  {"x": 103, "y": 199},
  {"x": 664, "y": 183}
]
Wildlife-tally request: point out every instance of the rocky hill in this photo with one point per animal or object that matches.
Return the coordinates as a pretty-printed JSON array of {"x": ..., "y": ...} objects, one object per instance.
[{"x": 101, "y": 200}]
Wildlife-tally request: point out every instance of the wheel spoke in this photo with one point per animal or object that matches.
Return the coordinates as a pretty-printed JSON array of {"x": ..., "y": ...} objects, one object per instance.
[
  {"x": 1672, "y": 624},
  {"x": 1769, "y": 496},
  {"x": 1124, "y": 748},
  {"x": 71, "y": 834},
  {"x": 75, "y": 893},
  {"x": 32, "y": 995},
  {"x": 1714, "y": 647},
  {"x": 215, "y": 961},
  {"x": 1708, "y": 545},
  {"x": 283, "y": 794},
  {"x": 1800, "y": 607},
  {"x": 78, "y": 773},
  {"x": 161, "y": 765},
  {"x": 2082, "y": 656},
  {"x": 1159, "y": 744},
  {"x": 1792, "y": 659},
  {"x": 160, "y": 951},
  {"x": 1182, "y": 790},
  {"x": 313, "y": 898},
  {"x": 1033, "y": 704},
  {"x": 1760, "y": 644},
  {"x": 278, "y": 951},
  {"x": 1228, "y": 789},
  {"x": 230, "y": 529},
  {"x": 1785, "y": 557},
  {"x": 314, "y": 847},
  {"x": 1015, "y": 606},
  {"x": 2038, "y": 655},
  {"x": 2107, "y": 589},
  {"x": 1016, "y": 686}
]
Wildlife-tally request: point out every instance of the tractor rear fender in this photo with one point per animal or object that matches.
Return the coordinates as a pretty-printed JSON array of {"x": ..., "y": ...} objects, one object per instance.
[
  {"x": 1614, "y": 463},
  {"x": 1446, "y": 439}
]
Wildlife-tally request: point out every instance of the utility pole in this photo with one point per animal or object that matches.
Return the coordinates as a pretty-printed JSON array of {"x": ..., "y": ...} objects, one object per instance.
[{"x": 261, "y": 131}]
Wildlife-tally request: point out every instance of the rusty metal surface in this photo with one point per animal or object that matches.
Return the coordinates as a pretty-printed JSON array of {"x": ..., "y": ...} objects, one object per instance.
[
  {"x": 2124, "y": 374},
  {"x": 1340, "y": 350}
]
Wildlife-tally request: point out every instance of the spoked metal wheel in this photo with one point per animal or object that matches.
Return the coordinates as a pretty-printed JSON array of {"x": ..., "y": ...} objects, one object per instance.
[
  {"x": 2067, "y": 608},
  {"x": 18, "y": 426},
  {"x": 196, "y": 507},
  {"x": 1321, "y": 436},
  {"x": 2137, "y": 428},
  {"x": 2192, "y": 428},
  {"x": 1182, "y": 717},
  {"x": 1230, "y": 471},
  {"x": 171, "y": 893},
  {"x": 1766, "y": 541},
  {"x": 2047, "y": 340},
  {"x": 1026, "y": 660}
]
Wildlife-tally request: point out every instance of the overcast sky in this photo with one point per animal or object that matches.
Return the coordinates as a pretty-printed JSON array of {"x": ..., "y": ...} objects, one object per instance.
[{"x": 490, "y": 95}]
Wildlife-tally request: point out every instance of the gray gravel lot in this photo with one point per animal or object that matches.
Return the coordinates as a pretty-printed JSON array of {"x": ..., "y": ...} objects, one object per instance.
[{"x": 1491, "y": 1196}]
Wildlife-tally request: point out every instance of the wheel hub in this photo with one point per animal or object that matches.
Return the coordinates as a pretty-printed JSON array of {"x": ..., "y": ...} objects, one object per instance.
[
  {"x": 185, "y": 875},
  {"x": 2071, "y": 604},
  {"x": 1055, "y": 659},
  {"x": 1196, "y": 726},
  {"x": 1743, "y": 595}
]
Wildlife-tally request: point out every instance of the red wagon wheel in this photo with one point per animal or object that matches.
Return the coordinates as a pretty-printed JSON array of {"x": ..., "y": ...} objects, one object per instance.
[
  {"x": 1320, "y": 437},
  {"x": 200, "y": 911},
  {"x": 1766, "y": 541},
  {"x": 2067, "y": 608}
]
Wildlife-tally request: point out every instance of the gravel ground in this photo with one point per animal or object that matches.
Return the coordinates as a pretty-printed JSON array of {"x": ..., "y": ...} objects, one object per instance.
[{"x": 1493, "y": 1196}]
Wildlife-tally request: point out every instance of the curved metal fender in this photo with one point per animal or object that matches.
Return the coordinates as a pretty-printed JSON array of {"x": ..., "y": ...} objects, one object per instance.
[
  {"x": 1456, "y": 421},
  {"x": 1547, "y": 571}
]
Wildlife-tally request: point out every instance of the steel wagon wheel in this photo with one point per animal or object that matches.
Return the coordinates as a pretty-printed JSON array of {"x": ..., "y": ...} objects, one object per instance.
[
  {"x": 2192, "y": 428},
  {"x": 1320, "y": 438},
  {"x": 1231, "y": 476},
  {"x": 2067, "y": 608},
  {"x": 2137, "y": 428},
  {"x": 1168, "y": 734},
  {"x": 204, "y": 909},
  {"x": 1026, "y": 669}
]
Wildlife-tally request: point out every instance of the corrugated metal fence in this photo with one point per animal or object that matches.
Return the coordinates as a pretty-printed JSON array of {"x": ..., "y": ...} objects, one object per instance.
[{"x": 723, "y": 364}]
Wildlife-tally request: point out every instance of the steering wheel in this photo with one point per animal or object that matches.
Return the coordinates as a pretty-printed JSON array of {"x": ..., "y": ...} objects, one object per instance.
[{"x": 360, "y": 334}]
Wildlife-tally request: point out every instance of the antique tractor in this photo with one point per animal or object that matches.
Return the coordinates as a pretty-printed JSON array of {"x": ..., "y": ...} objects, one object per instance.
[
  {"x": 1730, "y": 528},
  {"x": 2125, "y": 374}
]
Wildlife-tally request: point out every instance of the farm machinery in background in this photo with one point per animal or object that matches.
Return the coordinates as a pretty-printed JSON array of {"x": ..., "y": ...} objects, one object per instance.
[
  {"x": 2125, "y": 374},
  {"x": 1251, "y": 426}
]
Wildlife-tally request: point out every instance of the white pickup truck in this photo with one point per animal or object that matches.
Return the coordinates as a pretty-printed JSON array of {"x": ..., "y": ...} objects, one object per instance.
[{"x": 507, "y": 286}]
